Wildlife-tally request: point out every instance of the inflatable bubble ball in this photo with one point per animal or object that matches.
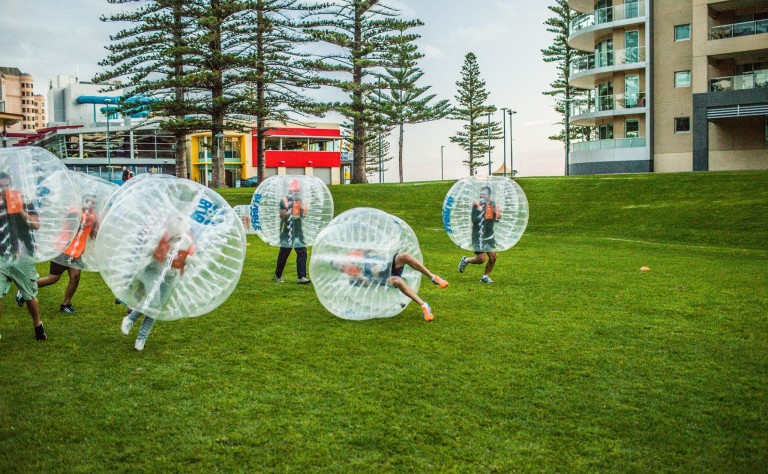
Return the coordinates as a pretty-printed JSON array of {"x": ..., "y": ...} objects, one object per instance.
[
  {"x": 485, "y": 213},
  {"x": 36, "y": 194},
  {"x": 170, "y": 248},
  {"x": 95, "y": 193},
  {"x": 290, "y": 211},
  {"x": 243, "y": 212},
  {"x": 352, "y": 259}
]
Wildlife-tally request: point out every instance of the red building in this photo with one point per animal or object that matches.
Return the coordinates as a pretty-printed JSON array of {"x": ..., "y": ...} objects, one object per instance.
[{"x": 313, "y": 149}]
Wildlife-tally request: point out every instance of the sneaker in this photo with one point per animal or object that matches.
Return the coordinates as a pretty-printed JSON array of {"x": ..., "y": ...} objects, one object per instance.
[
  {"x": 427, "y": 312},
  {"x": 40, "y": 334},
  {"x": 67, "y": 308},
  {"x": 486, "y": 279},
  {"x": 279, "y": 279},
  {"x": 19, "y": 299},
  {"x": 439, "y": 281},
  {"x": 139, "y": 346},
  {"x": 463, "y": 264},
  {"x": 303, "y": 281},
  {"x": 126, "y": 326}
]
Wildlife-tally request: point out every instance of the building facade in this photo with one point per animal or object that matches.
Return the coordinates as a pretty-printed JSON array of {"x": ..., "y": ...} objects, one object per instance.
[
  {"x": 671, "y": 85},
  {"x": 302, "y": 149},
  {"x": 17, "y": 96}
]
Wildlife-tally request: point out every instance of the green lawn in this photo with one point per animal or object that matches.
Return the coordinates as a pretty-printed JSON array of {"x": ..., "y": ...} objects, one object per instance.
[{"x": 574, "y": 360}]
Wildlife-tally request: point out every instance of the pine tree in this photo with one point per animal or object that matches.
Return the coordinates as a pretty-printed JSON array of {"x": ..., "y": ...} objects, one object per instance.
[
  {"x": 151, "y": 56},
  {"x": 377, "y": 150},
  {"x": 561, "y": 53},
  {"x": 279, "y": 75},
  {"x": 476, "y": 134},
  {"x": 361, "y": 32},
  {"x": 401, "y": 101}
]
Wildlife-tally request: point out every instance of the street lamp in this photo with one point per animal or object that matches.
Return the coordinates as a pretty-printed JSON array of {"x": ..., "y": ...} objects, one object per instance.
[
  {"x": 511, "y": 145},
  {"x": 490, "y": 172},
  {"x": 504, "y": 124},
  {"x": 442, "y": 147},
  {"x": 109, "y": 161}
]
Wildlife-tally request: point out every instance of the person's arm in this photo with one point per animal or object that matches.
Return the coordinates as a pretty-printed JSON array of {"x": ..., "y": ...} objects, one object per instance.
[
  {"x": 284, "y": 211},
  {"x": 31, "y": 217}
]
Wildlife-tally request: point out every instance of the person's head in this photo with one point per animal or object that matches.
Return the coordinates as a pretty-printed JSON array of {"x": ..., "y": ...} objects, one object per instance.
[
  {"x": 125, "y": 168},
  {"x": 294, "y": 187},
  {"x": 485, "y": 193},
  {"x": 89, "y": 201},
  {"x": 5, "y": 181}
]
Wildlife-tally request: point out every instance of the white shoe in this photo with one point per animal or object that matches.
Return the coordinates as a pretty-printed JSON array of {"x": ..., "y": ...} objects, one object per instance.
[
  {"x": 126, "y": 326},
  {"x": 463, "y": 264},
  {"x": 139, "y": 346},
  {"x": 486, "y": 279}
]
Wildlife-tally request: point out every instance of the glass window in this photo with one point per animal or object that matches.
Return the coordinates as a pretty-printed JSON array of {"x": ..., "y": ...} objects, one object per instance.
[
  {"x": 271, "y": 143},
  {"x": 682, "y": 32},
  {"x": 632, "y": 129},
  {"x": 683, "y": 79},
  {"x": 682, "y": 124},
  {"x": 605, "y": 132},
  {"x": 294, "y": 143}
]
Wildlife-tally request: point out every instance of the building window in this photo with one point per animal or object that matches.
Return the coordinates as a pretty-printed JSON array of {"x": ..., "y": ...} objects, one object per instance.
[
  {"x": 682, "y": 32},
  {"x": 682, "y": 124},
  {"x": 683, "y": 79},
  {"x": 632, "y": 129}
]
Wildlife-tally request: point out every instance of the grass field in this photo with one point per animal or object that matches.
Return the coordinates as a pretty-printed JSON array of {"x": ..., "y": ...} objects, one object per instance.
[{"x": 574, "y": 360}]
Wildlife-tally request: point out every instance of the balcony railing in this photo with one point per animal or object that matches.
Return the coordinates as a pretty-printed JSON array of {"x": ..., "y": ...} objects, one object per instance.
[
  {"x": 610, "y": 144},
  {"x": 608, "y": 14},
  {"x": 755, "y": 80},
  {"x": 608, "y": 102},
  {"x": 609, "y": 58},
  {"x": 746, "y": 28}
]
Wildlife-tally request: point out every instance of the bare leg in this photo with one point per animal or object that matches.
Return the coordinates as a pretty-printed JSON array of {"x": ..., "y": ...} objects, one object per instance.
[
  {"x": 478, "y": 259},
  {"x": 405, "y": 289},
  {"x": 491, "y": 263},
  {"x": 74, "y": 281},
  {"x": 48, "y": 280},
  {"x": 403, "y": 259},
  {"x": 34, "y": 310}
]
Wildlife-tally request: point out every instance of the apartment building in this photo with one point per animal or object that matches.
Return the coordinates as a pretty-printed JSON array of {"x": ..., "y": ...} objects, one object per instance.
[
  {"x": 670, "y": 85},
  {"x": 17, "y": 96}
]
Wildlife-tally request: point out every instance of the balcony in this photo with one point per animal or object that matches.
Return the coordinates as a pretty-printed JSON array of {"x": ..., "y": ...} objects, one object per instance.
[
  {"x": 612, "y": 144},
  {"x": 587, "y": 111},
  {"x": 586, "y": 70},
  {"x": 583, "y": 28},
  {"x": 755, "y": 80},
  {"x": 736, "y": 30}
]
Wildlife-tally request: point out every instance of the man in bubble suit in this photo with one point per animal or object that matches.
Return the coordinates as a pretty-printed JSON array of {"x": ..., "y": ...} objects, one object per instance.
[
  {"x": 485, "y": 213},
  {"x": 163, "y": 270},
  {"x": 18, "y": 220},
  {"x": 87, "y": 230},
  {"x": 292, "y": 212},
  {"x": 377, "y": 270}
]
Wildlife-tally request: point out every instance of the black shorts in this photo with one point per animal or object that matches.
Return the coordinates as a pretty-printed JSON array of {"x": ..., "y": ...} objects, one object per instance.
[
  {"x": 57, "y": 268},
  {"x": 396, "y": 272}
]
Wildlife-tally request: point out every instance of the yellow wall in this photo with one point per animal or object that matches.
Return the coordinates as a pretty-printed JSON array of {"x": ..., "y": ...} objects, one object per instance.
[{"x": 194, "y": 150}]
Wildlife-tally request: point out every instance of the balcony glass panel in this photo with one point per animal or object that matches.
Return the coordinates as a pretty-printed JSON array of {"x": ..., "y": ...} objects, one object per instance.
[
  {"x": 738, "y": 29},
  {"x": 611, "y": 58},
  {"x": 757, "y": 79},
  {"x": 629, "y": 10},
  {"x": 611, "y": 144},
  {"x": 602, "y": 103}
]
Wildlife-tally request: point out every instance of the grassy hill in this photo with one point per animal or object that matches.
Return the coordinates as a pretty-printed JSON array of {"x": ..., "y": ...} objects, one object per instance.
[{"x": 574, "y": 360}]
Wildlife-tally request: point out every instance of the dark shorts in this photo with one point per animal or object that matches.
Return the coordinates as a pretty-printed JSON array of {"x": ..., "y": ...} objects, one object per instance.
[
  {"x": 396, "y": 272},
  {"x": 57, "y": 268}
]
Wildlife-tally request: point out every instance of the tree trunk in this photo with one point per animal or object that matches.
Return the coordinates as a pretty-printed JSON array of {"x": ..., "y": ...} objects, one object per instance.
[
  {"x": 400, "y": 152},
  {"x": 181, "y": 154}
]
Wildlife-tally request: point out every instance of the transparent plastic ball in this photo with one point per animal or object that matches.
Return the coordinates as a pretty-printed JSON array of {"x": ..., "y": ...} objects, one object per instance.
[
  {"x": 485, "y": 213},
  {"x": 306, "y": 204},
  {"x": 171, "y": 248},
  {"x": 95, "y": 194},
  {"x": 37, "y": 193},
  {"x": 243, "y": 211},
  {"x": 352, "y": 259}
]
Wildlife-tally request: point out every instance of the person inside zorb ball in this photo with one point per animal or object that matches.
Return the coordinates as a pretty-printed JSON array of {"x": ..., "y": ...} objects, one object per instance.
[
  {"x": 485, "y": 214},
  {"x": 289, "y": 212},
  {"x": 170, "y": 249},
  {"x": 367, "y": 264}
]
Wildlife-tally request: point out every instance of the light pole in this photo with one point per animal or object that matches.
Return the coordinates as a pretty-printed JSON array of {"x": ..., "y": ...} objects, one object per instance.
[
  {"x": 490, "y": 172},
  {"x": 511, "y": 145},
  {"x": 441, "y": 162},
  {"x": 381, "y": 168},
  {"x": 109, "y": 161},
  {"x": 504, "y": 124}
]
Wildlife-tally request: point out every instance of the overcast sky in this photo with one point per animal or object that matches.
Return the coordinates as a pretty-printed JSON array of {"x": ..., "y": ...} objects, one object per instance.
[{"x": 66, "y": 37}]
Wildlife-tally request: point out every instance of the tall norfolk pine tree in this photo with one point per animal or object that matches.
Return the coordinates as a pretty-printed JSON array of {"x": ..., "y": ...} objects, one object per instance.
[
  {"x": 476, "y": 134},
  {"x": 362, "y": 33},
  {"x": 151, "y": 55},
  {"x": 401, "y": 100},
  {"x": 563, "y": 55}
]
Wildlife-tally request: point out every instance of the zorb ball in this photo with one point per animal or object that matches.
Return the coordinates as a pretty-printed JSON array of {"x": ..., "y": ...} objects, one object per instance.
[
  {"x": 36, "y": 193},
  {"x": 290, "y": 211},
  {"x": 170, "y": 248},
  {"x": 95, "y": 194},
  {"x": 485, "y": 213},
  {"x": 352, "y": 260},
  {"x": 243, "y": 212}
]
